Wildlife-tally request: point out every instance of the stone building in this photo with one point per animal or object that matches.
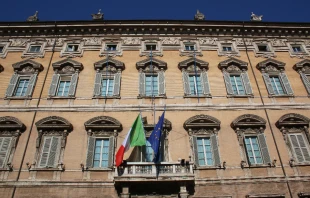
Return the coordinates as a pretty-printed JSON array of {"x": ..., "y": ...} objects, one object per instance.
[{"x": 236, "y": 96}]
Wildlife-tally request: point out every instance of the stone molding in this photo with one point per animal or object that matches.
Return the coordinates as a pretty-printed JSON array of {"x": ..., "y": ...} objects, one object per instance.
[
  {"x": 202, "y": 125},
  {"x": 114, "y": 65},
  {"x": 231, "y": 64},
  {"x": 27, "y": 67},
  {"x": 53, "y": 124},
  {"x": 271, "y": 65},
  {"x": 144, "y": 65},
  {"x": 40, "y": 54},
  {"x": 188, "y": 65},
  {"x": 303, "y": 66},
  {"x": 11, "y": 125},
  {"x": 293, "y": 120},
  {"x": 67, "y": 66},
  {"x": 248, "y": 121},
  {"x": 103, "y": 125}
]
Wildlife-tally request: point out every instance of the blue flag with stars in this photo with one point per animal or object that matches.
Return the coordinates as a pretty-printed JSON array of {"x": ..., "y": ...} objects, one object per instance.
[{"x": 155, "y": 137}]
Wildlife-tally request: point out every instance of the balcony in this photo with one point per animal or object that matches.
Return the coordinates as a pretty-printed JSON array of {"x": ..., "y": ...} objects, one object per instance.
[{"x": 148, "y": 171}]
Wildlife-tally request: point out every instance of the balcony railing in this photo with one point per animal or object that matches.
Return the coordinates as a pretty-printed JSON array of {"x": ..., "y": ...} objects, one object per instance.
[{"x": 144, "y": 170}]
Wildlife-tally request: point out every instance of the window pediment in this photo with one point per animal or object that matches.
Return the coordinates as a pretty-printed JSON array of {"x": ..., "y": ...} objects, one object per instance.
[
  {"x": 248, "y": 121},
  {"x": 202, "y": 121},
  {"x": 270, "y": 65},
  {"x": 233, "y": 64},
  {"x": 293, "y": 120},
  {"x": 113, "y": 65},
  {"x": 189, "y": 64},
  {"x": 67, "y": 66},
  {"x": 146, "y": 63},
  {"x": 27, "y": 67},
  {"x": 11, "y": 123},
  {"x": 303, "y": 66},
  {"x": 103, "y": 123},
  {"x": 54, "y": 123}
]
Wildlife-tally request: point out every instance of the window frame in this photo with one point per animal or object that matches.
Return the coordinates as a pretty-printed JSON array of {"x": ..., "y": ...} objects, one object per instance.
[
  {"x": 153, "y": 85},
  {"x": 111, "y": 53},
  {"x": 72, "y": 44},
  {"x": 21, "y": 77},
  {"x": 62, "y": 79},
  {"x": 30, "y": 47},
  {"x": 190, "y": 53},
  {"x": 266, "y": 54},
  {"x": 302, "y": 54},
  {"x": 252, "y": 149},
  {"x": 71, "y": 54},
  {"x": 234, "y": 50},
  {"x": 158, "y": 51},
  {"x": 34, "y": 54}
]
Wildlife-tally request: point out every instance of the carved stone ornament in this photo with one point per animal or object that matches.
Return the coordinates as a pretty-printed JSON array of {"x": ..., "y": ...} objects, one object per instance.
[
  {"x": 67, "y": 66},
  {"x": 189, "y": 65},
  {"x": 199, "y": 16},
  {"x": 98, "y": 16},
  {"x": 303, "y": 66},
  {"x": 293, "y": 120},
  {"x": 19, "y": 42},
  {"x": 208, "y": 41},
  {"x": 93, "y": 41},
  {"x": 131, "y": 41},
  {"x": 240, "y": 41},
  {"x": 150, "y": 127},
  {"x": 54, "y": 123},
  {"x": 202, "y": 124},
  {"x": 59, "y": 42},
  {"x": 33, "y": 18},
  {"x": 146, "y": 64},
  {"x": 233, "y": 64},
  {"x": 103, "y": 125},
  {"x": 27, "y": 67},
  {"x": 113, "y": 65},
  {"x": 270, "y": 65},
  {"x": 278, "y": 42},
  {"x": 170, "y": 40},
  {"x": 255, "y": 17},
  {"x": 248, "y": 121},
  {"x": 10, "y": 125}
]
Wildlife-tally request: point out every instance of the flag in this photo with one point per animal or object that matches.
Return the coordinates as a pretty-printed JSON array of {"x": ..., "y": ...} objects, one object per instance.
[
  {"x": 134, "y": 137},
  {"x": 155, "y": 137}
]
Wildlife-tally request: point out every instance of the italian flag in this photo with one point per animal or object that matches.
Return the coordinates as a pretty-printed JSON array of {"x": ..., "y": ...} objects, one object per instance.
[{"x": 134, "y": 137}]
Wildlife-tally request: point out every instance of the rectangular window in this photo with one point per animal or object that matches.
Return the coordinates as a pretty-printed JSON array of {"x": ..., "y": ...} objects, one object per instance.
[
  {"x": 189, "y": 47},
  {"x": 277, "y": 85},
  {"x": 149, "y": 47},
  {"x": 148, "y": 152},
  {"x": 299, "y": 147},
  {"x": 205, "y": 156},
  {"x": 111, "y": 47},
  {"x": 63, "y": 86},
  {"x": 101, "y": 157},
  {"x": 107, "y": 87},
  {"x": 72, "y": 48},
  {"x": 237, "y": 84},
  {"x": 195, "y": 85},
  {"x": 22, "y": 86},
  {"x": 263, "y": 48},
  {"x": 227, "y": 48},
  {"x": 35, "y": 48},
  {"x": 151, "y": 85},
  {"x": 296, "y": 48},
  {"x": 253, "y": 150}
]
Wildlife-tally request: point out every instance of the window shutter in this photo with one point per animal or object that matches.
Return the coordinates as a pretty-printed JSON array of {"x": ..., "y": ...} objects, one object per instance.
[
  {"x": 117, "y": 84},
  {"x": 52, "y": 157},
  {"x": 90, "y": 152},
  {"x": 296, "y": 148},
  {"x": 264, "y": 149},
  {"x": 268, "y": 83},
  {"x": 32, "y": 82},
  {"x": 187, "y": 90},
  {"x": 111, "y": 152},
  {"x": 161, "y": 83},
  {"x": 215, "y": 150},
  {"x": 141, "y": 84},
  {"x": 98, "y": 81},
  {"x": 303, "y": 146},
  {"x": 45, "y": 151},
  {"x": 54, "y": 83},
  {"x": 4, "y": 148},
  {"x": 205, "y": 83},
  {"x": 246, "y": 83},
  {"x": 286, "y": 84},
  {"x": 306, "y": 81},
  {"x": 73, "y": 84},
  {"x": 12, "y": 85},
  {"x": 228, "y": 83},
  {"x": 195, "y": 152}
]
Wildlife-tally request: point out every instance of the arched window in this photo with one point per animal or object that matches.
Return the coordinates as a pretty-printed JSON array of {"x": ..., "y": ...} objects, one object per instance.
[
  {"x": 65, "y": 78},
  {"x": 250, "y": 132},
  {"x": 195, "y": 78},
  {"x": 275, "y": 78},
  {"x": 51, "y": 141},
  {"x": 236, "y": 77},
  {"x": 151, "y": 78},
  {"x": 294, "y": 128},
  {"x": 108, "y": 78},
  {"x": 303, "y": 68},
  {"x": 23, "y": 81},
  {"x": 101, "y": 131},
  {"x": 203, "y": 131}
]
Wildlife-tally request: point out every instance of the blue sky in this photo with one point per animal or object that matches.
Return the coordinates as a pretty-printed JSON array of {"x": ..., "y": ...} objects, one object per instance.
[{"x": 240, "y": 10}]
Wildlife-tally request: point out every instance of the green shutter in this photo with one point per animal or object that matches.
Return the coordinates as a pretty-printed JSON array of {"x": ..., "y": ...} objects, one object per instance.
[
  {"x": 32, "y": 82},
  {"x": 54, "y": 83},
  {"x": 142, "y": 84},
  {"x": 228, "y": 83},
  {"x": 187, "y": 90},
  {"x": 111, "y": 152},
  {"x": 117, "y": 84},
  {"x": 246, "y": 83},
  {"x": 306, "y": 81},
  {"x": 268, "y": 83},
  {"x": 215, "y": 150},
  {"x": 264, "y": 148},
  {"x": 161, "y": 83},
  {"x": 12, "y": 85},
  {"x": 195, "y": 151},
  {"x": 90, "y": 152},
  {"x": 205, "y": 83},
  {"x": 73, "y": 84},
  {"x": 53, "y": 153},
  {"x": 286, "y": 83},
  {"x": 45, "y": 151},
  {"x": 5, "y": 143}
]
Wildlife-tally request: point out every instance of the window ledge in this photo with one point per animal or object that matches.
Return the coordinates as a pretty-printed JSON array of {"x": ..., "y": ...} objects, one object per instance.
[
  {"x": 240, "y": 96},
  {"x": 45, "y": 169},
  {"x": 17, "y": 98},
  {"x": 99, "y": 169},
  {"x": 195, "y": 96},
  {"x": 60, "y": 97},
  {"x": 301, "y": 164},
  {"x": 280, "y": 96},
  {"x": 208, "y": 167},
  {"x": 150, "y": 97},
  {"x": 6, "y": 169},
  {"x": 258, "y": 166},
  {"x": 106, "y": 97}
]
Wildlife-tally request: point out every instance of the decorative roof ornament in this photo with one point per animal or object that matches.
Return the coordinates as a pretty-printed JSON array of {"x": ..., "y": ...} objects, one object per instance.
[
  {"x": 34, "y": 17},
  {"x": 199, "y": 16},
  {"x": 255, "y": 17},
  {"x": 98, "y": 16}
]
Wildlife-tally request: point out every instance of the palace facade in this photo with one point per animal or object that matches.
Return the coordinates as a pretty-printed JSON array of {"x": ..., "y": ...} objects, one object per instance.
[{"x": 236, "y": 96}]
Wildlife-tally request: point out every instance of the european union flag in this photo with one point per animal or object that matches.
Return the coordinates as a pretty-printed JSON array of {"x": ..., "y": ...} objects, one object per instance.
[{"x": 155, "y": 137}]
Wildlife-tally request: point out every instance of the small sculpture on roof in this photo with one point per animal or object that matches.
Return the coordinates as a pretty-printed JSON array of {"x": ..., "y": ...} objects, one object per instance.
[
  {"x": 255, "y": 17},
  {"x": 98, "y": 16},
  {"x": 199, "y": 16},
  {"x": 33, "y": 17}
]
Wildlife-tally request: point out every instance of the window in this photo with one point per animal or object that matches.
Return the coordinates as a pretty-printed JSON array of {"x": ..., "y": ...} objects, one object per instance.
[
  {"x": 1, "y": 49},
  {"x": 149, "y": 154},
  {"x": 34, "y": 48},
  {"x": 50, "y": 152},
  {"x": 204, "y": 152},
  {"x": 253, "y": 150},
  {"x": 263, "y": 48},
  {"x": 276, "y": 85},
  {"x": 23, "y": 81},
  {"x": 300, "y": 147},
  {"x": 227, "y": 48},
  {"x": 72, "y": 48},
  {"x": 297, "y": 48},
  {"x": 151, "y": 85},
  {"x": 195, "y": 85},
  {"x": 107, "y": 87},
  {"x": 150, "y": 47},
  {"x": 189, "y": 47},
  {"x": 101, "y": 156},
  {"x": 64, "y": 86},
  {"x": 111, "y": 47},
  {"x": 237, "y": 85},
  {"x": 303, "y": 69}
]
